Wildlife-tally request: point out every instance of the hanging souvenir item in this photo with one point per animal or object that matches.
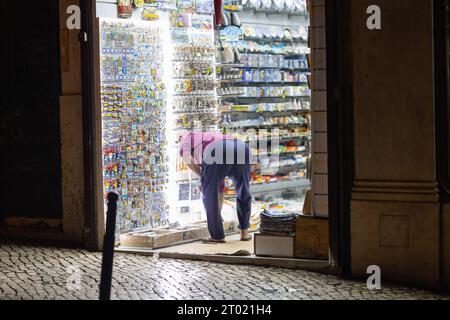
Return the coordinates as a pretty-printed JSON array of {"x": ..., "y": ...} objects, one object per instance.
[
  {"x": 195, "y": 102},
  {"x": 218, "y": 12},
  {"x": 124, "y": 8},
  {"x": 186, "y": 5},
  {"x": 180, "y": 20},
  {"x": 300, "y": 5},
  {"x": 278, "y": 4},
  {"x": 256, "y": 4},
  {"x": 201, "y": 22},
  {"x": 290, "y": 5},
  {"x": 167, "y": 5},
  {"x": 266, "y": 4},
  {"x": 204, "y": 6},
  {"x": 150, "y": 13},
  {"x": 231, "y": 34}
]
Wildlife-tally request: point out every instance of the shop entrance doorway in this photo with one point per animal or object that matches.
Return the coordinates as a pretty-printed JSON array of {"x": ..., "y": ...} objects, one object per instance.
[{"x": 256, "y": 81}]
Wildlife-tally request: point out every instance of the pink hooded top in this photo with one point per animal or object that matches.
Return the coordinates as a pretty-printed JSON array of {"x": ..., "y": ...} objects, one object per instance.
[{"x": 195, "y": 143}]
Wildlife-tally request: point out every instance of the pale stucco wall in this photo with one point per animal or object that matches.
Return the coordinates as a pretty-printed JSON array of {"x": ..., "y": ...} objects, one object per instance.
[{"x": 71, "y": 131}]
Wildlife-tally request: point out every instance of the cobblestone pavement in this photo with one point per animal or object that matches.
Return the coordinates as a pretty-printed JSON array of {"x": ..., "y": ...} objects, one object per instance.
[{"x": 38, "y": 272}]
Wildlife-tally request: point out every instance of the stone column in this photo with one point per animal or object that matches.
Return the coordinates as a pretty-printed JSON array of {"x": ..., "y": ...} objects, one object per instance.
[{"x": 394, "y": 206}]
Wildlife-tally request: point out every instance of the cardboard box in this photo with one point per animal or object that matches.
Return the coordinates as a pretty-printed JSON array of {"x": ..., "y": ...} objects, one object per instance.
[
  {"x": 312, "y": 238},
  {"x": 274, "y": 246}
]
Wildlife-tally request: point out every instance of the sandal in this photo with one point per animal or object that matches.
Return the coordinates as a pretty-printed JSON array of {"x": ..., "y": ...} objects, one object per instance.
[{"x": 212, "y": 241}]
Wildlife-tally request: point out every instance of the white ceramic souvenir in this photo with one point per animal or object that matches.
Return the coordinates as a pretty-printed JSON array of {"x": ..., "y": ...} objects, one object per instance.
[
  {"x": 298, "y": 5},
  {"x": 278, "y": 4},
  {"x": 255, "y": 3},
  {"x": 266, "y": 4},
  {"x": 247, "y": 31},
  {"x": 287, "y": 34},
  {"x": 290, "y": 5}
]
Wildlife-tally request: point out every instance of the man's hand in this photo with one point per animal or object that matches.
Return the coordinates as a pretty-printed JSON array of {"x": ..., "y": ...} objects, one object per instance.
[{"x": 193, "y": 166}]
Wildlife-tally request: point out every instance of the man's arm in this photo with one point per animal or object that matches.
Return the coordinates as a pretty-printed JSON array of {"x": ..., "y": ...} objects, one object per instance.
[{"x": 194, "y": 167}]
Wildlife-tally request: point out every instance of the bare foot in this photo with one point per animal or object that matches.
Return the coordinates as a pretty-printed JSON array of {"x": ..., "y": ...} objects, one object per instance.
[{"x": 245, "y": 235}]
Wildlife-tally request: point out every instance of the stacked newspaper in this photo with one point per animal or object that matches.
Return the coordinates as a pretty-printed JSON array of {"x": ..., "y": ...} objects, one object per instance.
[{"x": 278, "y": 223}]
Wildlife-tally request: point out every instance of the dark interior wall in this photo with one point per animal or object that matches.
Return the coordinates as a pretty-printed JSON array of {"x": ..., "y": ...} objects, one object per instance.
[{"x": 30, "y": 170}]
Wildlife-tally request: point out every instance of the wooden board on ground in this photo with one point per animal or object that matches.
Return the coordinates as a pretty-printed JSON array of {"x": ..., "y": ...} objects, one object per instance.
[
  {"x": 159, "y": 238},
  {"x": 232, "y": 245},
  {"x": 151, "y": 239}
]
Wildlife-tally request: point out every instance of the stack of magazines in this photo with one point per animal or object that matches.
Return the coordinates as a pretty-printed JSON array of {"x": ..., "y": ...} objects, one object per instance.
[{"x": 278, "y": 223}]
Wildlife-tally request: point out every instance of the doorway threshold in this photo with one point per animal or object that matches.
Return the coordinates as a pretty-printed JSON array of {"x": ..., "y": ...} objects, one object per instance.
[{"x": 225, "y": 253}]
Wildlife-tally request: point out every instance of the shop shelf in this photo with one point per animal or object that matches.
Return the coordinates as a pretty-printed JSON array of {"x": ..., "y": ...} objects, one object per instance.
[
  {"x": 276, "y": 68},
  {"x": 306, "y": 135},
  {"x": 230, "y": 95},
  {"x": 230, "y": 65},
  {"x": 286, "y": 153},
  {"x": 267, "y": 112},
  {"x": 269, "y": 12},
  {"x": 269, "y": 40},
  {"x": 278, "y": 97},
  {"x": 272, "y": 83},
  {"x": 285, "y": 55},
  {"x": 261, "y": 126},
  {"x": 279, "y": 185}
]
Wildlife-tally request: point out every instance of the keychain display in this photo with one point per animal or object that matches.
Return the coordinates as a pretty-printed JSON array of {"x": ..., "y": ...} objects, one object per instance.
[
  {"x": 193, "y": 70},
  {"x": 195, "y": 101},
  {"x": 195, "y": 104},
  {"x": 133, "y": 102},
  {"x": 193, "y": 67}
]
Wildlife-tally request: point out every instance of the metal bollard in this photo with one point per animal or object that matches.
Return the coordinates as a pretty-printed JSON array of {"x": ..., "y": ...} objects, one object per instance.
[{"x": 108, "y": 247}]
